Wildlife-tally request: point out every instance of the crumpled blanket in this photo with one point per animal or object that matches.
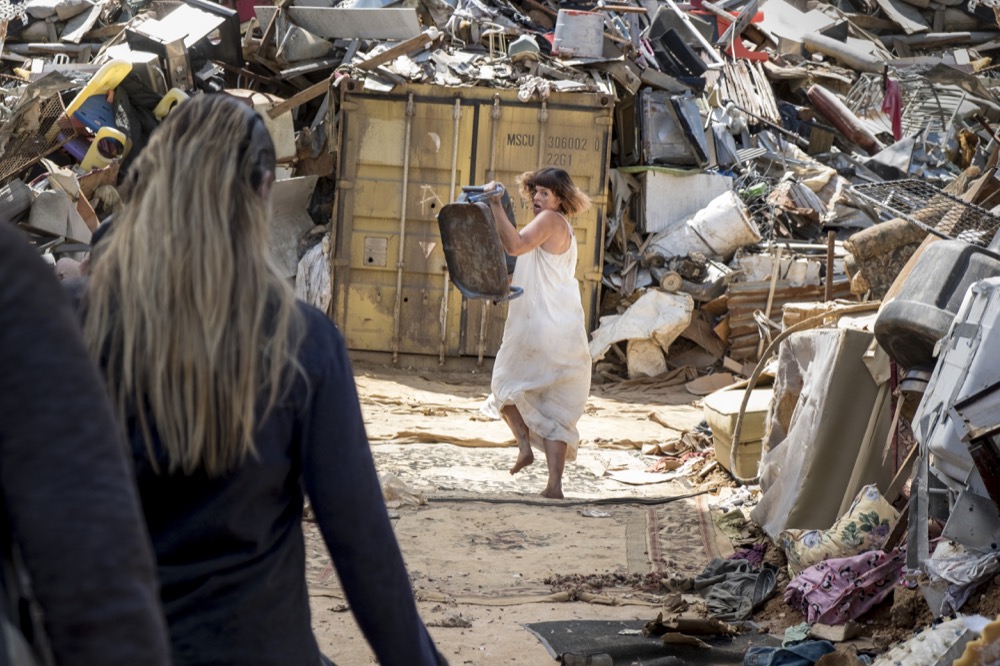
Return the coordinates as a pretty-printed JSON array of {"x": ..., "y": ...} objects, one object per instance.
[
  {"x": 837, "y": 590},
  {"x": 733, "y": 590}
]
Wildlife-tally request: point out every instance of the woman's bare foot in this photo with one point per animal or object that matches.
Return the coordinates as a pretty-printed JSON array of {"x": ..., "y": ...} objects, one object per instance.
[
  {"x": 524, "y": 458},
  {"x": 555, "y": 457},
  {"x": 523, "y": 436}
]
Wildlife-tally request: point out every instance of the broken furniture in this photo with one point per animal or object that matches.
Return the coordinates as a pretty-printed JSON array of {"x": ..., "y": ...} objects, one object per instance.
[
  {"x": 827, "y": 426},
  {"x": 474, "y": 253},
  {"x": 92, "y": 111}
]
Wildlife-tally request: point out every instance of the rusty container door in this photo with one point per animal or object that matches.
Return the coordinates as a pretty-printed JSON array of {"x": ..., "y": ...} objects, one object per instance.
[{"x": 406, "y": 154}]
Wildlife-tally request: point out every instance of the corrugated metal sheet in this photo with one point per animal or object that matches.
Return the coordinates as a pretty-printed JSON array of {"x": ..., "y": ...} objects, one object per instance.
[{"x": 746, "y": 298}]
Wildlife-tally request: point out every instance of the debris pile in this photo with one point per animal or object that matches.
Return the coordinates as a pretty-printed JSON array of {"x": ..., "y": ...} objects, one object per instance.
[{"x": 803, "y": 194}]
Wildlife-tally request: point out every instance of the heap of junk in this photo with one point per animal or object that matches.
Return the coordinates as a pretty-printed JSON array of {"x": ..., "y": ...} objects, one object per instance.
[{"x": 796, "y": 216}]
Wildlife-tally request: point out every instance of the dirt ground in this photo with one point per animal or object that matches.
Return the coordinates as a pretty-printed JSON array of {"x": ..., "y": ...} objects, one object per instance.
[{"x": 487, "y": 556}]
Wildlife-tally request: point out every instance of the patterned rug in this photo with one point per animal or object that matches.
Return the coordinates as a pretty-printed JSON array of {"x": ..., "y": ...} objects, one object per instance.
[{"x": 480, "y": 511}]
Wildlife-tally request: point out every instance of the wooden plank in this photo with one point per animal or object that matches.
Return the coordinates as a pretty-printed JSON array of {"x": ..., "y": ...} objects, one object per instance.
[
  {"x": 403, "y": 48},
  {"x": 300, "y": 98},
  {"x": 895, "y": 488},
  {"x": 898, "y": 530}
]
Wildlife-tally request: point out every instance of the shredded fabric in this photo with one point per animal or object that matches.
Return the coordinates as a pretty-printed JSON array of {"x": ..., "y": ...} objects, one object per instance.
[
  {"x": 963, "y": 570},
  {"x": 892, "y": 104}
]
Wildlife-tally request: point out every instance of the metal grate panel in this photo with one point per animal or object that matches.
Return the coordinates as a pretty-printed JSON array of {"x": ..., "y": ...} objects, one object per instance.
[
  {"x": 27, "y": 147},
  {"x": 932, "y": 209}
]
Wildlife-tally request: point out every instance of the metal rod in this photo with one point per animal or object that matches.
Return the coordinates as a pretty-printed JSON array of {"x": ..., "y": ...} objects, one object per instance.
[
  {"x": 775, "y": 270},
  {"x": 543, "y": 119},
  {"x": 491, "y": 175},
  {"x": 400, "y": 264},
  {"x": 444, "y": 316},
  {"x": 716, "y": 60},
  {"x": 801, "y": 140},
  {"x": 831, "y": 243},
  {"x": 484, "y": 313},
  {"x": 457, "y": 115},
  {"x": 495, "y": 122}
]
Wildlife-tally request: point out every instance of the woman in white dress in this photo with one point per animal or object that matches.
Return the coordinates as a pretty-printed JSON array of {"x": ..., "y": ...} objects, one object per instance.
[{"x": 541, "y": 376}]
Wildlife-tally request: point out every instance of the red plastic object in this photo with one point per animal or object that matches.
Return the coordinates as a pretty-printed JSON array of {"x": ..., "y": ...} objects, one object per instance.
[
  {"x": 738, "y": 49},
  {"x": 245, "y": 8}
]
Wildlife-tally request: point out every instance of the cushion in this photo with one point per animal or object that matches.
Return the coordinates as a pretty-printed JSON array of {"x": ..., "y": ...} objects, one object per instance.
[{"x": 864, "y": 527}]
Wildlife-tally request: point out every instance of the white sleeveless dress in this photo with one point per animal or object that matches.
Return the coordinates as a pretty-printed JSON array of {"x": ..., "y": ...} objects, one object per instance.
[{"x": 543, "y": 366}]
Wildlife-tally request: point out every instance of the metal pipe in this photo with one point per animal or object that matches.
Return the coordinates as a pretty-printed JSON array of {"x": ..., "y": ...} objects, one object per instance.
[
  {"x": 491, "y": 175},
  {"x": 400, "y": 264},
  {"x": 484, "y": 313},
  {"x": 543, "y": 119},
  {"x": 843, "y": 118},
  {"x": 854, "y": 58},
  {"x": 831, "y": 243},
  {"x": 457, "y": 115}
]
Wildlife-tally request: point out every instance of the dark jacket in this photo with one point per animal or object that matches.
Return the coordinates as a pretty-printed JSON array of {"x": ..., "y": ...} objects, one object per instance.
[
  {"x": 230, "y": 549},
  {"x": 66, "y": 487}
]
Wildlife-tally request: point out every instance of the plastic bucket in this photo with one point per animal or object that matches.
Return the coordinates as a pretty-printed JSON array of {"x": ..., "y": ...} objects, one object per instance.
[{"x": 724, "y": 226}]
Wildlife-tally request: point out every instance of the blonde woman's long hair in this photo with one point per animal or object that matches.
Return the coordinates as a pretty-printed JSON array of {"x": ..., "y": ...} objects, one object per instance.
[{"x": 194, "y": 324}]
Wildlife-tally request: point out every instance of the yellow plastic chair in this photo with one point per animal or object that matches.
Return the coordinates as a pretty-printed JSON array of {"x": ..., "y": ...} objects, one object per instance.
[
  {"x": 173, "y": 97},
  {"x": 95, "y": 159},
  {"x": 90, "y": 106}
]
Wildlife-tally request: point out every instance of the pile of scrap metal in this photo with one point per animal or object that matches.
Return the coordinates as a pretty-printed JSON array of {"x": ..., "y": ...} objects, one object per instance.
[
  {"x": 741, "y": 128},
  {"x": 87, "y": 82}
]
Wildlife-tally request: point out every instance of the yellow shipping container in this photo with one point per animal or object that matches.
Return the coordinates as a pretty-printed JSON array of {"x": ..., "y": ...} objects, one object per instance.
[{"x": 406, "y": 154}]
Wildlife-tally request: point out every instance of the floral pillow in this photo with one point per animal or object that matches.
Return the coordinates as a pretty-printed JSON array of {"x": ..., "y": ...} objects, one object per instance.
[{"x": 864, "y": 527}]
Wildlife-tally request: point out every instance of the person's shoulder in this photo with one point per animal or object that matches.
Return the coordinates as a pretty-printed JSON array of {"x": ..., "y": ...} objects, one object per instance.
[
  {"x": 321, "y": 340},
  {"x": 552, "y": 217}
]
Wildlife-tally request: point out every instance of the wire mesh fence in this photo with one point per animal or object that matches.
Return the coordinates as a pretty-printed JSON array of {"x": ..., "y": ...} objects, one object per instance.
[
  {"x": 932, "y": 209},
  {"x": 50, "y": 131}
]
